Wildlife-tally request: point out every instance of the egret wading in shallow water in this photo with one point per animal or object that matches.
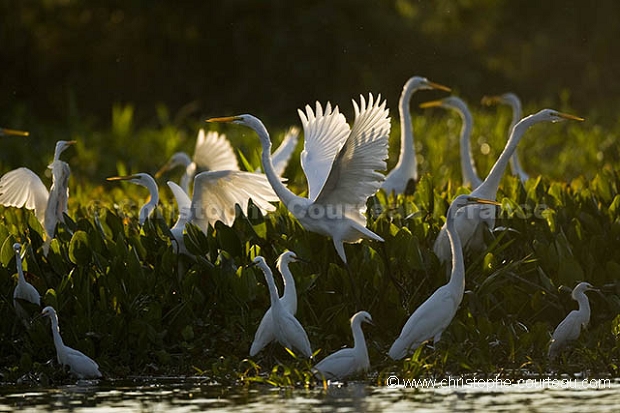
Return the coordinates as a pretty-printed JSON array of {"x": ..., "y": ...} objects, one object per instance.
[
  {"x": 22, "y": 188},
  {"x": 13, "y": 132},
  {"x": 286, "y": 328},
  {"x": 468, "y": 167},
  {"x": 406, "y": 170},
  {"x": 434, "y": 315},
  {"x": 514, "y": 102},
  {"x": 347, "y": 361},
  {"x": 471, "y": 221},
  {"x": 340, "y": 165},
  {"x": 570, "y": 328},
  {"x": 80, "y": 365},
  {"x": 23, "y": 290},
  {"x": 215, "y": 195},
  {"x": 265, "y": 334}
]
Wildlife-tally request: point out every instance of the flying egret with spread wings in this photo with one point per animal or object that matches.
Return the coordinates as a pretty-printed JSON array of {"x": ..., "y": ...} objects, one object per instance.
[
  {"x": 80, "y": 365},
  {"x": 514, "y": 102},
  {"x": 22, "y": 188},
  {"x": 340, "y": 164},
  {"x": 406, "y": 169},
  {"x": 434, "y": 315},
  {"x": 214, "y": 153},
  {"x": 287, "y": 330},
  {"x": 468, "y": 166},
  {"x": 347, "y": 361},
  {"x": 265, "y": 335},
  {"x": 470, "y": 221},
  {"x": 570, "y": 328}
]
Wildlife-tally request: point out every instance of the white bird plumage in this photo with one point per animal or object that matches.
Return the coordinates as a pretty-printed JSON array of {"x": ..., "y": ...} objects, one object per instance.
[
  {"x": 570, "y": 328},
  {"x": 340, "y": 164},
  {"x": 80, "y": 365},
  {"x": 406, "y": 169},
  {"x": 23, "y": 290},
  {"x": 514, "y": 102},
  {"x": 470, "y": 222},
  {"x": 213, "y": 152},
  {"x": 287, "y": 330},
  {"x": 434, "y": 315},
  {"x": 347, "y": 361},
  {"x": 265, "y": 334},
  {"x": 22, "y": 188},
  {"x": 468, "y": 166}
]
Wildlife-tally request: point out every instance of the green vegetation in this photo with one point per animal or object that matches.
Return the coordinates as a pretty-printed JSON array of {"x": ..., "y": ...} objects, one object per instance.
[{"x": 125, "y": 299}]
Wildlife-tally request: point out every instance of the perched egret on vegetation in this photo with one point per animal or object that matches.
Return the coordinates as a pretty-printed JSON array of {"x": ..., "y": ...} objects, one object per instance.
[
  {"x": 468, "y": 167},
  {"x": 570, "y": 328},
  {"x": 149, "y": 183},
  {"x": 80, "y": 365},
  {"x": 214, "y": 153},
  {"x": 514, "y": 102},
  {"x": 265, "y": 334},
  {"x": 286, "y": 328},
  {"x": 406, "y": 169},
  {"x": 13, "y": 132},
  {"x": 24, "y": 290},
  {"x": 347, "y": 361},
  {"x": 340, "y": 164},
  {"x": 471, "y": 220},
  {"x": 23, "y": 188},
  {"x": 431, "y": 318}
]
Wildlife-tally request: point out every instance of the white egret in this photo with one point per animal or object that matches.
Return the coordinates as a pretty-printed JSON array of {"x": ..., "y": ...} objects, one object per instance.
[
  {"x": 406, "y": 169},
  {"x": 570, "y": 328},
  {"x": 471, "y": 220},
  {"x": 13, "y": 132},
  {"x": 514, "y": 102},
  {"x": 265, "y": 334},
  {"x": 286, "y": 328},
  {"x": 347, "y": 361},
  {"x": 214, "y": 153},
  {"x": 215, "y": 195},
  {"x": 80, "y": 365},
  {"x": 340, "y": 164},
  {"x": 23, "y": 188},
  {"x": 468, "y": 166},
  {"x": 434, "y": 315},
  {"x": 23, "y": 290}
]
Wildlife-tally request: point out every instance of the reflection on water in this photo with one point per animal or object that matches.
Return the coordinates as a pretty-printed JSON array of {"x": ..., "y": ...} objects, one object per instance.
[{"x": 186, "y": 395}]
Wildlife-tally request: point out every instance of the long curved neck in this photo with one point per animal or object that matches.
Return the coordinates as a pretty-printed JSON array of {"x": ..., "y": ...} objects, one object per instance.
[
  {"x": 58, "y": 343},
  {"x": 359, "y": 343},
  {"x": 470, "y": 176},
  {"x": 289, "y": 296},
  {"x": 457, "y": 276},
  {"x": 488, "y": 188},
  {"x": 21, "y": 279},
  {"x": 146, "y": 210},
  {"x": 584, "y": 305},
  {"x": 285, "y": 195},
  {"x": 273, "y": 291},
  {"x": 188, "y": 176},
  {"x": 407, "y": 148}
]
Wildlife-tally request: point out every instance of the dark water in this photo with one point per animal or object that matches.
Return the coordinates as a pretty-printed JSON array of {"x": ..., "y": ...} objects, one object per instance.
[{"x": 189, "y": 395}]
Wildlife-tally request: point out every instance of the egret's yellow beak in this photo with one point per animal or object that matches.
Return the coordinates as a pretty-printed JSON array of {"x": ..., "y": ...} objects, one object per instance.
[
  {"x": 121, "y": 178},
  {"x": 13, "y": 132},
  {"x": 476, "y": 200},
  {"x": 224, "y": 119},
  {"x": 431, "y": 104},
  {"x": 439, "y": 87},
  {"x": 570, "y": 117}
]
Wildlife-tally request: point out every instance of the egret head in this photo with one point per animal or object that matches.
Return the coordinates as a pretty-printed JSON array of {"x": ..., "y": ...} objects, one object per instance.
[
  {"x": 60, "y": 148},
  {"x": 464, "y": 200},
  {"x": 451, "y": 102},
  {"x": 17, "y": 247},
  {"x": 551, "y": 115},
  {"x": 581, "y": 288},
  {"x": 48, "y": 312},
  {"x": 422, "y": 83},
  {"x": 504, "y": 99},
  {"x": 177, "y": 159},
  {"x": 362, "y": 317},
  {"x": 139, "y": 178}
]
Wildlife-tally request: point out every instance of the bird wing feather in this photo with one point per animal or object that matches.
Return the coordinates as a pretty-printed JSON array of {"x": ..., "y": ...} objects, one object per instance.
[
  {"x": 22, "y": 188},
  {"x": 217, "y": 192},
  {"x": 214, "y": 153},
  {"x": 324, "y": 134},
  {"x": 283, "y": 154},
  {"x": 264, "y": 334},
  {"x": 338, "y": 365}
]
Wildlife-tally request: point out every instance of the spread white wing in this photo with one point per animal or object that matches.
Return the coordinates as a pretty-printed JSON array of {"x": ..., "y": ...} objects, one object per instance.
[
  {"x": 324, "y": 135},
  {"x": 214, "y": 153},
  {"x": 22, "y": 188},
  {"x": 284, "y": 152}
]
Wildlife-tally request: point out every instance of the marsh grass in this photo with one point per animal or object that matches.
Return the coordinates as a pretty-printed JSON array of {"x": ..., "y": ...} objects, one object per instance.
[{"x": 124, "y": 298}]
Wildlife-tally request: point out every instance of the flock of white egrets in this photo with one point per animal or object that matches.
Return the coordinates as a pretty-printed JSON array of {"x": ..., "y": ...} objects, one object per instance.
[{"x": 341, "y": 164}]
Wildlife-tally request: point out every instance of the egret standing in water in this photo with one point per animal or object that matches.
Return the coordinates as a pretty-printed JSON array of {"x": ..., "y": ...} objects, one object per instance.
[
  {"x": 570, "y": 328},
  {"x": 214, "y": 153},
  {"x": 347, "y": 361},
  {"x": 286, "y": 328},
  {"x": 24, "y": 290},
  {"x": 22, "y": 188},
  {"x": 514, "y": 102},
  {"x": 468, "y": 167},
  {"x": 434, "y": 315},
  {"x": 340, "y": 165},
  {"x": 471, "y": 221},
  {"x": 80, "y": 365},
  {"x": 406, "y": 170}
]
